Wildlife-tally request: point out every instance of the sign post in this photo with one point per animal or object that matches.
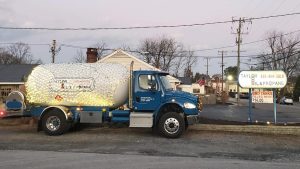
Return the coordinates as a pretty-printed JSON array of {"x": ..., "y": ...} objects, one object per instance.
[
  {"x": 274, "y": 79},
  {"x": 250, "y": 106},
  {"x": 275, "y": 108}
]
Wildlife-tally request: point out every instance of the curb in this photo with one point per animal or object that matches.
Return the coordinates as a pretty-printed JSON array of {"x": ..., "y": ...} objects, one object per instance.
[{"x": 258, "y": 129}]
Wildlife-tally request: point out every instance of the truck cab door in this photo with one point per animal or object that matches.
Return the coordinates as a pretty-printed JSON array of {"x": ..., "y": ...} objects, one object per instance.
[{"x": 147, "y": 96}]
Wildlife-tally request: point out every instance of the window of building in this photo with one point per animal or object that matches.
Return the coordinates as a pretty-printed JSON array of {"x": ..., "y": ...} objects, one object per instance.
[
  {"x": 196, "y": 90},
  {"x": 5, "y": 91}
]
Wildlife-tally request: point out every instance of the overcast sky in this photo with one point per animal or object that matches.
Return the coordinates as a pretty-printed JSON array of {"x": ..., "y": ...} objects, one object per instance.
[{"x": 120, "y": 13}]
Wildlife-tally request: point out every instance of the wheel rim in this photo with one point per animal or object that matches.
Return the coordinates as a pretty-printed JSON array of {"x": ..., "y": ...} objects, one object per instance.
[
  {"x": 53, "y": 123},
  {"x": 171, "y": 125}
]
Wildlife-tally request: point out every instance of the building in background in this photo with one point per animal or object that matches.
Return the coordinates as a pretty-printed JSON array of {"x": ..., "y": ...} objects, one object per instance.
[
  {"x": 124, "y": 58},
  {"x": 216, "y": 83},
  {"x": 186, "y": 85},
  {"x": 13, "y": 77}
]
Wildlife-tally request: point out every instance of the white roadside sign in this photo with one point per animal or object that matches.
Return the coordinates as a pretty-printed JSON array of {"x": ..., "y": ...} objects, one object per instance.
[
  {"x": 262, "y": 79},
  {"x": 262, "y": 97}
]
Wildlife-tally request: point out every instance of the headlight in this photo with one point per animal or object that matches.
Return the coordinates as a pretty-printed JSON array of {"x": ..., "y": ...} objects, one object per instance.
[{"x": 189, "y": 105}]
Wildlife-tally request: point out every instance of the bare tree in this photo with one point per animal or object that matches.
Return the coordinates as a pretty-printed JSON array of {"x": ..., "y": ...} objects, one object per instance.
[
  {"x": 79, "y": 57},
  {"x": 18, "y": 53},
  {"x": 284, "y": 54},
  {"x": 21, "y": 53},
  {"x": 101, "y": 49},
  {"x": 125, "y": 48},
  {"x": 5, "y": 57},
  {"x": 179, "y": 64},
  {"x": 190, "y": 60},
  {"x": 160, "y": 53}
]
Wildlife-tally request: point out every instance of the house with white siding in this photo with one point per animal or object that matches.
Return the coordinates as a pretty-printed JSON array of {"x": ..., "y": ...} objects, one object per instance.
[{"x": 124, "y": 58}]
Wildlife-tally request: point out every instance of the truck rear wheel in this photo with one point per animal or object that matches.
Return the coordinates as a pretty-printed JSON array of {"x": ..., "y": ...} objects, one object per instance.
[
  {"x": 171, "y": 125},
  {"x": 54, "y": 123}
]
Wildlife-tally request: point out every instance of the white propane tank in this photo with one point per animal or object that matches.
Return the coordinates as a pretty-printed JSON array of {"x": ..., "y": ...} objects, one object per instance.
[{"x": 78, "y": 84}]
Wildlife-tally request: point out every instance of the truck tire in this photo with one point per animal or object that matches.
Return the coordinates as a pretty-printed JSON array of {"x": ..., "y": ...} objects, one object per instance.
[
  {"x": 171, "y": 125},
  {"x": 54, "y": 123}
]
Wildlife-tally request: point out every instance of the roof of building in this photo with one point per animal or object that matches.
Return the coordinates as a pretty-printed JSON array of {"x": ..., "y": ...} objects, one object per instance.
[
  {"x": 14, "y": 73},
  {"x": 185, "y": 80},
  {"x": 119, "y": 52}
]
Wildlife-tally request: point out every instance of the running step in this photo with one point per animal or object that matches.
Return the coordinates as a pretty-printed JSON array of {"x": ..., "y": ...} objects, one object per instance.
[{"x": 138, "y": 119}]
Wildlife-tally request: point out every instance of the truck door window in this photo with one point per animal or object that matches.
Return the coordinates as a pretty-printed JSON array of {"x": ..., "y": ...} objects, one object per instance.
[
  {"x": 166, "y": 83},
  {"x": 145, "y": 81}
]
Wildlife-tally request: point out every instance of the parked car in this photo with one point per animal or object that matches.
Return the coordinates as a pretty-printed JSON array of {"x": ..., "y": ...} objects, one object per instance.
[
  {"x": 286, "y": 100},
  {"x": 244, "y": 95}
]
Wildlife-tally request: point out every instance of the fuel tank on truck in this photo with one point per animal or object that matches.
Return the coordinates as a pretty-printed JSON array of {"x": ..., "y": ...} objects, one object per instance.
[{"x": 79, "y": 84}]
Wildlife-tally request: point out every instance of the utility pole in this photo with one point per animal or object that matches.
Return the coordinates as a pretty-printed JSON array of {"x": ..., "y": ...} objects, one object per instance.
[
  {"x": 54, "y": 51},
  {"x": 239, "y": 32},
  {"x": 206, "y": 66},
  {"x": 222, "y": 65},
  {"x": 207, "y": 76}
]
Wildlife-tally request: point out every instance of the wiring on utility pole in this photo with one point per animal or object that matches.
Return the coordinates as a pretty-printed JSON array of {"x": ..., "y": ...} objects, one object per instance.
[
  {"x": 239, "y": 32},
  {"x": 54, "y": 51},
  {"x": 222, "y": 65},
  {"x": 207, "y": 76},
  {"x": 206, "y": 65}
]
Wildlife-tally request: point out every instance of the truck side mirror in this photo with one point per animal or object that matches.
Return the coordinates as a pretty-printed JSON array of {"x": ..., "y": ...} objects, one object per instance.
[{"x": 152, "y": 85}]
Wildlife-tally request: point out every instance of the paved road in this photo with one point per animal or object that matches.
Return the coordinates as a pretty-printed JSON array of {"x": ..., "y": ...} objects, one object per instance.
[
  {"x": 261, "y": 112},
  {"x": 23, "y": 147},
  {"x": 47, "y": 160}
]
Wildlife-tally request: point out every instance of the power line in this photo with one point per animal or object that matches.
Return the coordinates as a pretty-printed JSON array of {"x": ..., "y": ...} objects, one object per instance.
[
  {"x": 141, "y": 27},
  {"x": 259, "y": 55},
  {"x": 262, "y": 55},
  {"x": 196, "y": 50},
  {"x": 261, "y": 40},
  {"x": 80, "y": 47},
  {"x": 273, "y": 16},
  {"x": 246, "y": 43},
  {"x": 30, "y": 44},
  {"x": 115, "y": 28},
  {"x": 72, "y": 46},
  {"x": 281, "y": 58},
  {"x": 204, "y": 56}
]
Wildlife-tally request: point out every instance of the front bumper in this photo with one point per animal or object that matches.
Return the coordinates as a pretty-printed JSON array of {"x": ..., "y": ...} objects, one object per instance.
[{"x": 193, "y": 119}]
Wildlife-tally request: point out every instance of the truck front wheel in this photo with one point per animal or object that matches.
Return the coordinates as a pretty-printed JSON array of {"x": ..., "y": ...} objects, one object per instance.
[
  {"x": 171, "y": 125},
  {"x": 54, "y": 123}
]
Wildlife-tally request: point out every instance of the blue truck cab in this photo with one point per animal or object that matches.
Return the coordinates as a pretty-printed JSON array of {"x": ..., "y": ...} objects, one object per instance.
[{"x": 152, "y": 103}]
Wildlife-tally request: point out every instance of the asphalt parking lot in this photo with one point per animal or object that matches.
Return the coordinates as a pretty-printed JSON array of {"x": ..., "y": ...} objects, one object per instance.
[{"x": 260, "y": 112}]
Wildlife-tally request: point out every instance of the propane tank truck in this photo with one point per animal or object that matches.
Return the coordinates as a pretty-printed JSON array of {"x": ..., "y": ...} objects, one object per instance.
[{"x": 61, "y": 95}]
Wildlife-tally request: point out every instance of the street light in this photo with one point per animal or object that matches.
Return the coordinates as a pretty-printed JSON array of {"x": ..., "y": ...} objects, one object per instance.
[{"x": 229, "y": 79}]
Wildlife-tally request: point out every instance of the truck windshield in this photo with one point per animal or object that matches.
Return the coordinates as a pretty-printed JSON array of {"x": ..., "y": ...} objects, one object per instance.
[{"x": 165, "y": 82}]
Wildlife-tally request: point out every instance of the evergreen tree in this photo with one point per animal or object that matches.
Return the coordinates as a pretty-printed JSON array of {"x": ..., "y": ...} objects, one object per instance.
[{"x": 297, "y": 89}]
